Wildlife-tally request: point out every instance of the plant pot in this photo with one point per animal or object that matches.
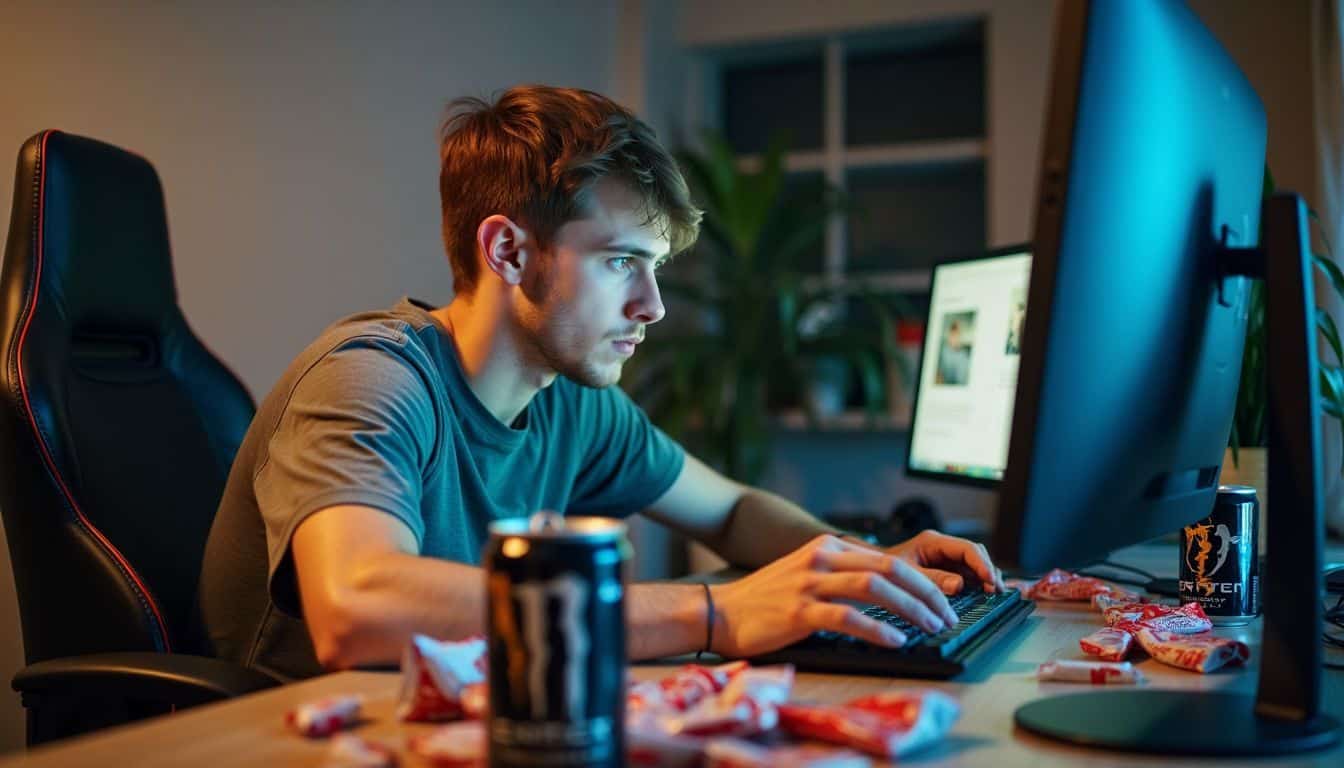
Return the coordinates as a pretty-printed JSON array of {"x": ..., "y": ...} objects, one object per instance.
[
  {"x": 827, "y": 386},
  {"x": 1253, "y": 470}
]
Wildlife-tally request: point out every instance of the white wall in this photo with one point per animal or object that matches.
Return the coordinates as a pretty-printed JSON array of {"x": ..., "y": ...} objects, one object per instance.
[{"x": 297, "y": 143}]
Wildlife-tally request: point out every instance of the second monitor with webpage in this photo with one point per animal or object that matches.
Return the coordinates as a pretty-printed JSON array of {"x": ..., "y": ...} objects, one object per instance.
[{"x": 963, "y": 410}]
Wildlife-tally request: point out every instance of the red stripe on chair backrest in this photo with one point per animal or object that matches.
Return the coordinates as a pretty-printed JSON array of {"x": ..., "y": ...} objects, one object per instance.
[{"x": 146, "y": 597}]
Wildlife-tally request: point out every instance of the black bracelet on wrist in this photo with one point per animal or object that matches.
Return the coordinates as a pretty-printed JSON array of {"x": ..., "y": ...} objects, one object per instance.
[{"x": 709, "y": 623}]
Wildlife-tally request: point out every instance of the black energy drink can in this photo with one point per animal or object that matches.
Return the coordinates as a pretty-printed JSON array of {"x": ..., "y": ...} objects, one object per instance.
[
  {"x": 555, "y": 617},
  {"x": 1220, "y": 567}
]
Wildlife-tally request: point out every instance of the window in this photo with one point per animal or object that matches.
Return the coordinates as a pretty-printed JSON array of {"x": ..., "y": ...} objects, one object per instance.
[{"x": 896, "y": 119}]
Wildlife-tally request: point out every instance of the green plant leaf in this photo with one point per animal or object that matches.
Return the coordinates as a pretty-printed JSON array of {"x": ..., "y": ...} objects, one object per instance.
[
  {"x": 722, "y": 164},
  {"x": 870, "y": 377},
  {"x": 1327, "y": 326},
  {"x": 711, "y": 184},
  {"x": 765, "y": 188},
  {"x": 1331, "y": 270},
  {"x": 788, "y": 315},
  {"x": 1320, "y": 225}
]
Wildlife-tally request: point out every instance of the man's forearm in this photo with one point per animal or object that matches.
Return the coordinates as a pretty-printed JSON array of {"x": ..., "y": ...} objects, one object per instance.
[
  {"x": 397, "y": 596},
  {"x": 665, "y": 619},
  {"x": 392, "y": 597},
  {"x": 763, "y": 527}
]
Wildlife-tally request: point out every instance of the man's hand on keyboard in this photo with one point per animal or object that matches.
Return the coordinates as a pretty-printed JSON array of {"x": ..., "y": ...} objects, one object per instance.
[
  {"x": 950, "y": 561},
  {"x": 799, "y": 593}
]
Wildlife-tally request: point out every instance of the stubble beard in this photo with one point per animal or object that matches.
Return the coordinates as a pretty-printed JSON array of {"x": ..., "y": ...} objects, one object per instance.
[
  {"x": 548, "y": 336},
  {"x": 552, "y": 343},
  {"x": 581, "y": 369}
]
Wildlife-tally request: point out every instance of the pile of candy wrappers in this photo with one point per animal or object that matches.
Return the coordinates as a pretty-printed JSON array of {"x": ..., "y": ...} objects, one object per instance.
[
  {"x": 1180, "y": 636},
  {"x": 727, "y": 716}
]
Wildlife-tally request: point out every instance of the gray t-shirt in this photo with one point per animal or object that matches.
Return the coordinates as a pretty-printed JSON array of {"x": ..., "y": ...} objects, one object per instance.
[{"x": 378, "y": 412}]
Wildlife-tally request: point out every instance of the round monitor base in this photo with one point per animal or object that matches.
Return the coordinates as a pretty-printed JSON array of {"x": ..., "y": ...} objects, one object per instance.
[{"x": 1172, "y": 723}]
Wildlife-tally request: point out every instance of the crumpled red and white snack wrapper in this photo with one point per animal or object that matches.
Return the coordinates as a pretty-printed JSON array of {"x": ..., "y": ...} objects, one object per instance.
[
  {"x": 748, "y": 705},
  {"x": 455, "y": 745},
  {"x": 434, "y": 674},
  {"x": 324, "y": 716},
  {"x": 886, "y": 725},
  {"x": 652, "y": 707},
  {"x": 1198, "y": 653},
  {"x": 350, "y": 751},
  {"x": 737, "y": 753},
  {"x": 1061, "y": 585},
  {"x": 1103, "y": 600},
  {"x": 684, "y": 689},
  {"x": 1107, "y": 644},
  {"x": 1094, "y": 672},
  {"x": 1188, "y": 619}
]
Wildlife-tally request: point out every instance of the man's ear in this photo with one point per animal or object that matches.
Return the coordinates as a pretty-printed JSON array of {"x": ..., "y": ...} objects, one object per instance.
[{"x": 506, "y": 247}]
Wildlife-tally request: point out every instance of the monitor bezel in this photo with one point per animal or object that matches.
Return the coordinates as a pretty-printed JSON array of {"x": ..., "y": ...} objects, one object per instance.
[{"x": 1016, "y": 249}]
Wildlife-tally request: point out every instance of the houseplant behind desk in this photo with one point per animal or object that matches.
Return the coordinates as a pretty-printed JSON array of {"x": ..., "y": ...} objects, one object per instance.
[
  {"x": 1245, "y": 462},
  {"x": 748, "y": 347}
]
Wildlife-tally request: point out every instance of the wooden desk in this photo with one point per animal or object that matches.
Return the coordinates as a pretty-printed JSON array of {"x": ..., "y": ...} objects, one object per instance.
[{"x": 250, "y": 731}]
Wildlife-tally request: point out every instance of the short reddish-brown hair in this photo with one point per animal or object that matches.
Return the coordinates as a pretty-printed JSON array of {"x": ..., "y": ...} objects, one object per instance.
[{"x": 535, "y": 153}]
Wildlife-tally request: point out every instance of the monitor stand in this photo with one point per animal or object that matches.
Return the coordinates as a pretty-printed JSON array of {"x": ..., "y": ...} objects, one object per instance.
[
  {"x": 1172, "y": 723},
  {"x": 1285, "y": 714}
]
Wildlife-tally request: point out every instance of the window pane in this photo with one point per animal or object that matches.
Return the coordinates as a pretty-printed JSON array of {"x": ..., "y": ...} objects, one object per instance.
[
  {"x": 915, "y": 216},
  {"x": 934, "y": 92},
  {"x": 803, "y": 201},
  {"x": 763, "y": 99}
]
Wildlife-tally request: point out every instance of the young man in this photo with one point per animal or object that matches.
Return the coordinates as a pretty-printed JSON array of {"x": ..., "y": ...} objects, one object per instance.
[{"x": 360, "y": 498}]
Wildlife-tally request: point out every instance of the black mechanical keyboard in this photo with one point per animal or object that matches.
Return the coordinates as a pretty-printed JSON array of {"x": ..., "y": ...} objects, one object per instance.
[{"x": 985, "y": 619}]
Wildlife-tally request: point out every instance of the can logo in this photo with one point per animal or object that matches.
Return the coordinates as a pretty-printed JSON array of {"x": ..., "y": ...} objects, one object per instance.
[
  {"x": 1219, "y": 566},
  {"x": 1198, "y": 548},
  {"x": 530, "y": 653}
]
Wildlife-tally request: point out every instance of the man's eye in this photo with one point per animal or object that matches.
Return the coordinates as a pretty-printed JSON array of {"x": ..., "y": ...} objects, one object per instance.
[{"x": 620, "y": 263}]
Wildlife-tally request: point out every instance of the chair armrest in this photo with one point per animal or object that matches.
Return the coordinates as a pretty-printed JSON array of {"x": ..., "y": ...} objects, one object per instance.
[{"x": 168, "y": 678}]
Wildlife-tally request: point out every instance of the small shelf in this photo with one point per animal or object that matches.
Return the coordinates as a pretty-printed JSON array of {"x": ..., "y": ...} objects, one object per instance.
[
  {"x": 796, "y": 420},
  {"x": 881, "y": 155},
  {"x": 894, "y": 280}
]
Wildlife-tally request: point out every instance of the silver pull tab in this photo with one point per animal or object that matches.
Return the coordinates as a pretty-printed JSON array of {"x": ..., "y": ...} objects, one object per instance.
[{"x": 545, "y": 521}]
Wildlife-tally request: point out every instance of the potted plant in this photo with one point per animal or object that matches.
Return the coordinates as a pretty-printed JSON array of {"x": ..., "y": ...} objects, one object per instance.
[
  {"x": 1245, "y": 462},
  {"x": 759, "y": 326}
]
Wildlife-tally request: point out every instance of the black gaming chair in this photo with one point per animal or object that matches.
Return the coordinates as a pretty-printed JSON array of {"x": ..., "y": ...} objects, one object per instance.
[{"x": 117, "y": 430}]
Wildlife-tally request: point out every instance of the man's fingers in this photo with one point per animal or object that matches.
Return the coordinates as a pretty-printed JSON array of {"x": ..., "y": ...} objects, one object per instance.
[
  {"x": 899, "y": 571},
  {"x": 951, "y": 583},
  {"x": 870, "y": 587},
  {"x": 851, "y": 621},
  {"x": 940, "y": 549}
]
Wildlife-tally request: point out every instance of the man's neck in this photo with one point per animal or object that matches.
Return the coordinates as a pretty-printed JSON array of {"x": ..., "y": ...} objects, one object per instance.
[{"x": 497, "y": 369}]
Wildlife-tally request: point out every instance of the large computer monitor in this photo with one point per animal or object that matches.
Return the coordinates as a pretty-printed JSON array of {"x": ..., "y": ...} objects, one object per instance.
[
  {"x": 1148, "y": 223},
  {"x": 964, "y": 389}
]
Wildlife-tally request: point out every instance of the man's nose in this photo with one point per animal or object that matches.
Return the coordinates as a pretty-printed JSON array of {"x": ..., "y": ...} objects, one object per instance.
[{"x": 647, "y": 305}]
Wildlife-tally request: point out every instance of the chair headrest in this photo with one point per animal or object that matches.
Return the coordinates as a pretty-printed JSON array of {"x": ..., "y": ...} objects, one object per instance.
[{"x": 106, "y": 262}]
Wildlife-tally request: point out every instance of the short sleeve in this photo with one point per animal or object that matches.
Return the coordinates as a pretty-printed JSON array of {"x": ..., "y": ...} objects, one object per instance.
[
  {"x": 358, "y": 428},
  {"x": 629, "y": 462}
]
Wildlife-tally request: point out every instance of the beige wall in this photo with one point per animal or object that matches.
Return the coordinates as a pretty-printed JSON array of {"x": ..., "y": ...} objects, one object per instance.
[{"x": 297, "y": 146}]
